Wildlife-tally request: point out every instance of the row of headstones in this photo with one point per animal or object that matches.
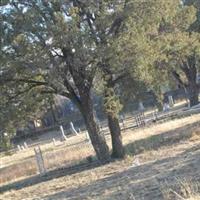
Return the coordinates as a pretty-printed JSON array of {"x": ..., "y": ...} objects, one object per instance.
[
  {"x": 140, "y": 121},
  {"x": 73, "y": 130},
  {"x": 22, "y": 147}
]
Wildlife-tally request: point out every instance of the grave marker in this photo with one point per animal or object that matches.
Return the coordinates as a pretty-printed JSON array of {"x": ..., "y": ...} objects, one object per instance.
[
  {"x": 63, "y": 133},
  {"x": 171, "y": 101},
  {"x": 54, "y": 142},
  {"x": 87, "y": 137},
  {"x": 73, "y": 129},
  {"x": 40, "y": 160},
  {"x": 19, "y": 147},
  {"x": 25, "y": 145}
]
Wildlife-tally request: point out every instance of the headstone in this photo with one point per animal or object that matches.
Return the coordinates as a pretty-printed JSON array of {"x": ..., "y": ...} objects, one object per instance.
[
  {"x": 155, "y": 116},
  {"x": 19, "y": 147},
  {"x": 141, "y": 106},
  {"x": 73, "y": 129},
  {"x": 166, "y": 107},
  {"x": 65, "y": 137},
  {"x": 171, "y": 101},
  {"x": 40, "y": 160},
  {"x": 25, "y": 145},
  {"x": 87, "y": 137},
  {"x": 63, "y": 133},
  {"x": 22, "y": 147},
  {"x": 54, "y": 142}
]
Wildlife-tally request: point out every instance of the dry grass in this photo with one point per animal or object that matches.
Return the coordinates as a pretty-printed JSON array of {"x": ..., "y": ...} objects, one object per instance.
[
  {"x": 121, "y": 181},
  {"x": 23, "y": 164},
  {"x": 19, "y": 156},
  {"x": 67, "y": 156},
  {"x": 167, "y": 150},
  {"x": 187, "y": 190}
]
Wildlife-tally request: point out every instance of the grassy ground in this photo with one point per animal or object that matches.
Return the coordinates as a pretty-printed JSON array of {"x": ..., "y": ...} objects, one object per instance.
[
  {"x": 23, "y": 164},
  {"x": 162, "y": 163}
]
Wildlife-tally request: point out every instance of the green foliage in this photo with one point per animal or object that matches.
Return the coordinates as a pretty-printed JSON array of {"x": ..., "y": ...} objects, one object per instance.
[
  {"x": 157, "y": 41},
  {"x": 112, "y": 103},
  {"x": 66, "y": 47}
]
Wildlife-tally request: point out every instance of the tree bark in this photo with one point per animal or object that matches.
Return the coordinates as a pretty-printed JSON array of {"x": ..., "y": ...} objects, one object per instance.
[
  {"x": 117, "y": 146},
  {"x": 97, "y": 138},
  {"x": 193, "y": 92},
  {"x": 190, "y": 70}
]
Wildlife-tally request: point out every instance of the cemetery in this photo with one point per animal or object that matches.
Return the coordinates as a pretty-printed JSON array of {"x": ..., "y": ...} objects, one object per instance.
[{"x": 100, "y": 100}]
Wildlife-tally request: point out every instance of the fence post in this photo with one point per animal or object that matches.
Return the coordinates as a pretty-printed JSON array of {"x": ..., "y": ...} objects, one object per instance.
[
  {"x": 40, "y": 161},
  {"x": 136, "y": 120},
  {"x": 122, "y": 118},
  {"x": 140, "y": 119},
  {"x": 143, "y": 119}
]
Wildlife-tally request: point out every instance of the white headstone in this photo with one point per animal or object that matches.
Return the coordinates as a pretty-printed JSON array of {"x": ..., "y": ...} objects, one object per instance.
[
  {"x": 63, "y": 133},
  {"x": 62, "y": 130},
  {"x": 141, "y": 106},
  {"x": 19, "y": 147},
  {"x": 22, "y": 147},
  {"x": 87, "y": 136},
  {"x": 65, "y": 137},
  {"x": 166, "y": 107},
  {"x": 171, "y": 101},
  {"x": 54, "y": 142},
  {"x": 73, "y": 129},
  {"x": 25, "y": 145},
  {"x": 40, "y": 160}
]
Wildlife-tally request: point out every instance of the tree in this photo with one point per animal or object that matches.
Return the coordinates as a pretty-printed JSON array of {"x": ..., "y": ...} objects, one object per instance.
[
  {"x": 196, "y": 25},
  {"x": 162, "y": 44},
  {"x": 104, "y": 19},
  {"x": 47, "y": 47},
  {"x": 180, "y": 47}
]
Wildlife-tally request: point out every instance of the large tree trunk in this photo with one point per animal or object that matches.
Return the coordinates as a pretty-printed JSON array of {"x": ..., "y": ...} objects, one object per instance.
[
  {"x": 112, "y": 107},
  {"x": 117, "y": 146},
  {"x": 190, "y": 70},
  {"x": 97, "y": 138},
  {"x": 193, "y": 93}
]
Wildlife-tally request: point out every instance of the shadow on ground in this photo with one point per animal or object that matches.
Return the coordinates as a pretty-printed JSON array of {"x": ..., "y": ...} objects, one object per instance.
[
  {"x": 145, "y": 182},
  {"x": 57, "y": 173},
  {"x": 145, "y": 177},
  {"x": 168, "y": 138}
]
